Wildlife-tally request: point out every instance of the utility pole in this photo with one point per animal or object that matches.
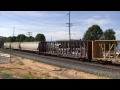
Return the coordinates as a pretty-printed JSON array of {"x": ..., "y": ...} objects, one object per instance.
[
  {"x": 29, "y": 33},
  {"x": 11, "y": 42},
  {"x": 69, "y": 25},
  {"x": 13, "y": 30}
]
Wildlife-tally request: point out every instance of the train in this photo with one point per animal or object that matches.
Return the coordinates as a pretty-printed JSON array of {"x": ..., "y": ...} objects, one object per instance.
[{"x": 88, "y": 50}]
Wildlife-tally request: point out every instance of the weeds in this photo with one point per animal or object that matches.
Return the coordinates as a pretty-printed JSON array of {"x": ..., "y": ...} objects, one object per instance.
[
  {"x": 33, "y": 61},
  {"x": 55, "y": 77},
  {"x": 29, "y": 73},
  {"x": 26, "y": 77},
  {"x": 29, "y": 77},
  {"x": 0, "y": 51},
  {"x": 47, "y": 75},
  {"x": 6, "y": 75},
  {"x": 20, "y": 63}
]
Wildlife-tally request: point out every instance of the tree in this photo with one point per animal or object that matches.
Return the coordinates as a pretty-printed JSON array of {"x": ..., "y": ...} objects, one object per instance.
[
  {"x": 20, "y": 38},
  {"x": 10, "y": 39},
  {"x": 2, "y": 40},
  {"x": 14, "y": 39},
  {"x": 93, "y": 33},
  {"x": 40, "y": 37},
  {"x": 109, "y": 35},
  {"x": 29, "y": 39}
]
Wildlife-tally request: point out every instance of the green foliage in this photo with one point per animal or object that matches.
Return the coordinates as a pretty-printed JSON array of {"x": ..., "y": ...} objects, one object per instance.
[
  {"x": 109, "y": 35},
  {"x": 40, "y": 37},
  {"x": 20, "y": 38},
  {"x": 10, "y": 39},
  {"x": 29, "y": 39},
  {"x": 2, "y": 40},
  {"x": 93, "y": 33},
  {"x": 27, "y": 77},
  {"x": 6, "y": 75},
  {"x": 14, "y": 39}
]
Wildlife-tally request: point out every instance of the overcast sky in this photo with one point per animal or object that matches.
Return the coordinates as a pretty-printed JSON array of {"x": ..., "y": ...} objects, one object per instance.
[{"x": 53, "y": 23}]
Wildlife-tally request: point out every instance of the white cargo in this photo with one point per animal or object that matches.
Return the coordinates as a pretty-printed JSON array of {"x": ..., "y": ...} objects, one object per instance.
[
  {"x": 15, "y": 45},
  {"x": 7, "y": 45},
  {"x": 30, "y": 46}
]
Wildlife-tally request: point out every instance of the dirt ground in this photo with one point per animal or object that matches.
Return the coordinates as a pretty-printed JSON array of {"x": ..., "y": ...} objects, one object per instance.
[{"x": 21, "y": 68}]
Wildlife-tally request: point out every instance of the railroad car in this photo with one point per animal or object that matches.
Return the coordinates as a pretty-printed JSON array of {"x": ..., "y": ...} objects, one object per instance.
[
  {"x": 30, "y": 46},
  {"x": 7, "y": 45},
  {"x": 97, "y": 50},
  {"x": 106, "y": 50},
  {"x": 72, "y": 49},
  {"x": 15, "y": 45}
]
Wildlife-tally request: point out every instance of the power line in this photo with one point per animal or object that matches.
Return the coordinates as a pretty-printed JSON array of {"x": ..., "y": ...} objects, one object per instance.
[{"x": 29, "y": 34}]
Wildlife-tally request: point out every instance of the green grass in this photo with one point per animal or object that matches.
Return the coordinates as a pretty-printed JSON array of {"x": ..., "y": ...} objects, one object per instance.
[
  {"x": 6, "y": 75},
  {"x": 29, "y": 77},
  {"x": 1, "y": 52},
  {"x": 26, "y": 77}
]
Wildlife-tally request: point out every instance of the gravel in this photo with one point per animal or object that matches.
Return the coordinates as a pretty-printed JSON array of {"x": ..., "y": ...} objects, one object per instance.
[{"x": 101, "y": 70}]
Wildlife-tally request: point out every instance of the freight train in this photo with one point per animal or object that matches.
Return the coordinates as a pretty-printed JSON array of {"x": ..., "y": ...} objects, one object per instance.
[{"x": 99, "y": 50}]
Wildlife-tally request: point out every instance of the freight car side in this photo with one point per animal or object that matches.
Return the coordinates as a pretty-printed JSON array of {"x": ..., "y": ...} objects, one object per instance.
[
  {"x": 106, "y": 50},
  {"x": 7, "y": 45},
  {"x": 15, "y": 45},
  {"x": 72, "y": 49},
  {"x": 30, "y": 46}
]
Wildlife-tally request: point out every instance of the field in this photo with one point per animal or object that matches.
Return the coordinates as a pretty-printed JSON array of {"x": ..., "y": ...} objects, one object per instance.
[{"x": 21, "y": 68}]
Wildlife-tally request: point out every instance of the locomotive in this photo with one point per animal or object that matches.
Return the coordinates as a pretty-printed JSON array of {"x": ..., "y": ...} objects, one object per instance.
[{"x": 78, "y": 49}]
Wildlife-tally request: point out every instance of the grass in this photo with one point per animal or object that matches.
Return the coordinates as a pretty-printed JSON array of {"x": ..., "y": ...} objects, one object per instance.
[
  {"x": 6, "y": 75},
  {"x": 20, "y": 63},
  {"x": 26, "y": 77},
  {"x": 55, "y": 77},
  {"x": 47, "y": 75},
  {"x": 0, "y": 51},
  {"x": 29, "y": 77},
  {"x": 29, "y": 73},
  {"x": 33, "y": 61}
]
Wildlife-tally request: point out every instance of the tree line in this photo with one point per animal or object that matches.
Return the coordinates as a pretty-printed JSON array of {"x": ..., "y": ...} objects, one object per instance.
[
  {"x": 23, "y": 38},
  {"x": 93, "y": 33}
]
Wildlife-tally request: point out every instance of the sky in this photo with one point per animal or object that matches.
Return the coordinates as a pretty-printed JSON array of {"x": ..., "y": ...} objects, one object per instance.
[{"x": 53, "y": 23}]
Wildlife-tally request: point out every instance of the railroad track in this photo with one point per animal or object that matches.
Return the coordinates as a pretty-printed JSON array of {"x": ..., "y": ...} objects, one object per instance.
[{"x": 89, "y": 67}]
